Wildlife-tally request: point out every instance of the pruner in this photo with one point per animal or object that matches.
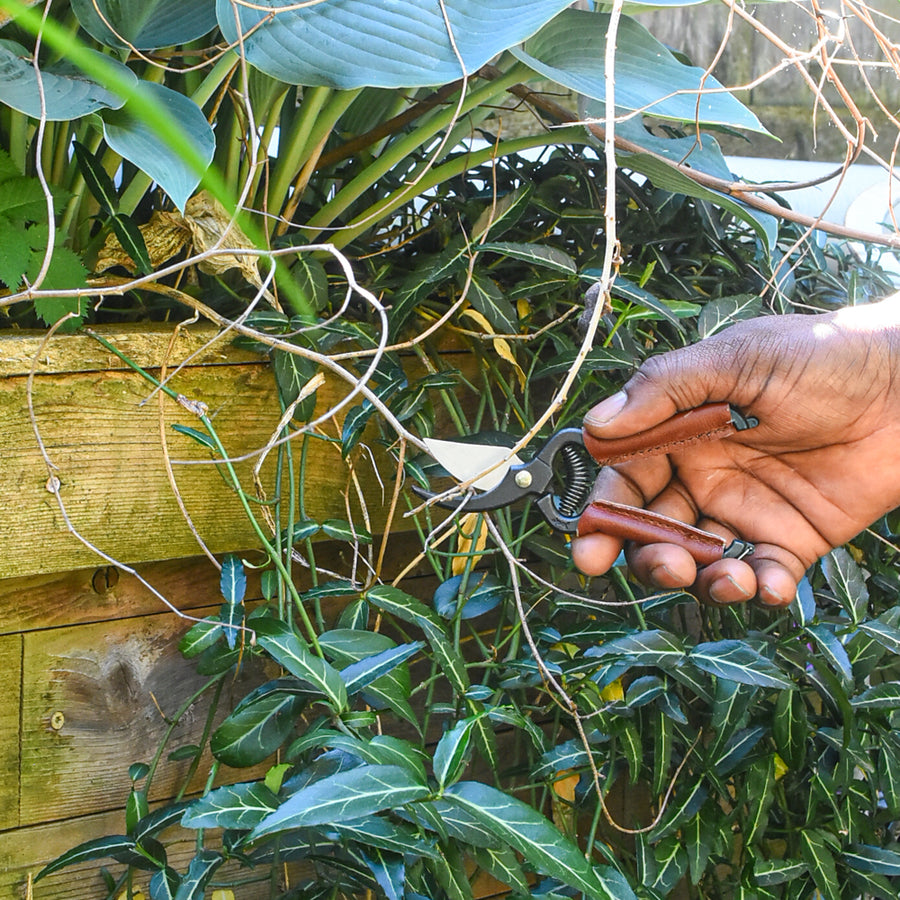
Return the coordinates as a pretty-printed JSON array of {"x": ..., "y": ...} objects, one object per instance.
[{"x": 569, "y": 460}]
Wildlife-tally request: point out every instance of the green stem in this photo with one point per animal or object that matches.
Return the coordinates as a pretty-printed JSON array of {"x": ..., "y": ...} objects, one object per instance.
[
  {"x": 207, "y": 728},
  {"x": 403, "y": 146},
  {"x": 437, "y": 175}
]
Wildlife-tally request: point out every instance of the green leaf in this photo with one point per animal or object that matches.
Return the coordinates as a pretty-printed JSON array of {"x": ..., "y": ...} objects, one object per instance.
[
  {"x": 671, "y": 863},
  {"x": 503, "y": 864},
  {"x": 164, "y": 884},
  {"x": 738, "y": 661},
  {"x": 406, "y": 608},
  {"x": 831, "y": 648},
  {"x": 531, "y": 834},
  {"x": 539, "y": 254},
  {"x": 233, "y": 584},
  {"x": 136, "y": 807},
  {"x": 66, "y": 272},
  {"x": 888, "y": 768},
  {"x": 395, "y": 837},
  {"x": 200, "y": 437},
  {"x": 881, "y": 696},
  {"x": 492, "y": 303},
  {"x": 633, "y": 293},
  {"x": 96, "y": 178},
  {"x": 360, "y": 675},
  {"x": 453, "y": 752},
  {"x": 15, "y": 252},
  {"x": 725, "y": 311},
  {"x": 646, "y": 648},
  {"x": 342, "y": 530},
  {"x": 388, "y": 869},
  {"x": 569, "y": 51},
  {"x": 281, "y": 642},
  {"x": 199, "y": 637},
  {"x": 68, "y": 92},
  {"x": 256, "y": 730},
  {"x": 820, "y": 862},
  {"x": 767, "y": 872},
  {"x": 201, "y": 869},
  {"x": 292, "y": 373},
  {"x": 790, "y": 728},
  {"x": 846, "y": 579},
  {"x": 232, "y": 806},
  {"x": 114, "y": 846},
  {"x": 131, "y": 135},
  {"x": 877, "y": 860},
  {"x": 698, "y": 839},
  {"x": 885, "y": 633},
  {"x": 145, "y": 24},
  {"x": 760, "y": 786},
  {"x": 737, "y": 747},
  {"x": 405, "y": 45},
  {"x": 132, "y": 242},
  {"x": 344, "y": 797}
]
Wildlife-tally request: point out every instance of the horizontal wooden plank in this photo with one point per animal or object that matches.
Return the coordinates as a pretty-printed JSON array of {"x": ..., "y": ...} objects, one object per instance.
[
  {"x": 105, "y": 442},
  {"x": 97, "y": 698},
  {"x": 10, "y": 700}
]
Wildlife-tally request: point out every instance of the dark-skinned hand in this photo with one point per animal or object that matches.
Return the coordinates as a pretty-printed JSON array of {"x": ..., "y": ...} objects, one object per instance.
[{"x": 823, "y": 464}]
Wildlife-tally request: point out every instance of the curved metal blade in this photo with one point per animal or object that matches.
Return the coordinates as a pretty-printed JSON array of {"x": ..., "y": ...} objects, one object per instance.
[{"x": 473, "y": 461}]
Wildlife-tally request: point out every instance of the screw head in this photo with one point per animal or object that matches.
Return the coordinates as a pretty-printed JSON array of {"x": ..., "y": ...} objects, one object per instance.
[
  {"x": 523, "y": 479},
  {"x": 57, "y": 720}
]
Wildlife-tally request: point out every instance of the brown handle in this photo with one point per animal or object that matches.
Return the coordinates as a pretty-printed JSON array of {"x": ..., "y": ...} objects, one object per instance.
[
  {"x": 705, "y": 423},
  {"x": 643, "y": 527}
]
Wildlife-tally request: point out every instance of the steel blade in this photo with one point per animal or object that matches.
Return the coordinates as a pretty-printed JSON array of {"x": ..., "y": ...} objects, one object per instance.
[{"x": 473, "y": 461}]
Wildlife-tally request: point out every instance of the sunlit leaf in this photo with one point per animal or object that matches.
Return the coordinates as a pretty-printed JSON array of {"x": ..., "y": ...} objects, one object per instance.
[
  {"x": 232, "y": 806},
  {"x": 145, "y": 24},
  {"x": 738, "y": 661}
]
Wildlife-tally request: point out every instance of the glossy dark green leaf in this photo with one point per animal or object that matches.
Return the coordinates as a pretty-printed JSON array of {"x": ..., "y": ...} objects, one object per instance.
[
  {"x": 688, "y": 798},
  {"x": 360, "y": 675},
  {"x": 884, "y": 696},
  {"x": 253, "y": 733},
  {"x": 381, "y": 832},
  {"x": 200, "y": 871},
  {"x": 132, "y": 241},
  {"x": 847, "y": 581},
  {"x": 888, "y": 767},
  {"x": 820, "y": 862},
  {"x": 887, "y": 634},
  {"x": 284, "y": 645},
  {"x": 346, "y": 796},
  {"x": 725, "y": 311},
  {"x": 671, "y": 864},
  {"x": 528, "y": 832},
  {"x": 241, "y": 806},
  {"x": 538, "y": 254},
  {"x": 738, "y": 661},
  {"x": 833, "y": 650},
  {"x": 115, "y": 846},
  {"x": 159, "y": 820},
  {"x": 662, "y": 752},
  {"x": 867, "y": 858},
  {"x": 486, "y": 297},
  {"x": 453, "y": 752},
  {"x": 136, "y": 807},
  {"x": 737, "y": 747},
  {"x": 777, "y": 871},
  {"x": 388, "y": 869},
  {"x": 646, "y": 648},
  {"x": 503, "y": 864},
  {"x": 481, "y": 594},
  {"x": 342, "y": 530},
  {"x": 790, "y": 728},
  {"x": 293, "y": 374},
  {"x": 699, "y": 833},
  {"x": 164, "y": 884},
  {"x": 233, "y": 585},
  {"x": 96, "y": 178},
  {"x": 406, "y": 608},
  {"x": 644, "y": 690}
]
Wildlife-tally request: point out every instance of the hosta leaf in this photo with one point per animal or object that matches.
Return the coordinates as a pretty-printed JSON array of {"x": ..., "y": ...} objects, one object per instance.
[
  {"x": 257, "y": 730},
  {"x": 531, "y": 834},
  {"x": 569, "y": 51},
  {"x": 346, "y": 796},
  {"x": 145, "y": 24},
  {"x": 738, "y": 661},
  {"x": 279, "y": 640},
  {"x": 848, "y": 582},
  {"x": 68, "y": 92},
  {"x": 233, "y": 806},
  {"x": 347, "y": 44},
  {"x": 131, "y": 135}
]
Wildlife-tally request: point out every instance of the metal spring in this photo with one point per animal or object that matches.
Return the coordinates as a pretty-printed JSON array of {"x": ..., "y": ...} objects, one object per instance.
[{"x": 579, "y": 478}]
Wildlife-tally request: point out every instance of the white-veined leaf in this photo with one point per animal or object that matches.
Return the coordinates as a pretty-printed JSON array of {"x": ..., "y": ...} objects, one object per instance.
[{"x": 738, "y": 661}]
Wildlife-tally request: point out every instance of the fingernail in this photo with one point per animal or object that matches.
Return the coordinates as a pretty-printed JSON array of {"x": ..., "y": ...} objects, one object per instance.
[
  {"x": 768, "y": 597},
  {"x": 663, "y": 576},
  {"x": 727, "y": 590},
  {"x": 607, "y": 410}
]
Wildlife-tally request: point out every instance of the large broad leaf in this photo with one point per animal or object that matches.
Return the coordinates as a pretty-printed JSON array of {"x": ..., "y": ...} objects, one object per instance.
[
  {"x": 344, "y": 797},
  {"x": 405, "y": 43},
  {"x": 282, "y": 643},
  {"x": 570, "y": 50},
  {"x": 68, "y": 92},
  {"x": 233, "y": 806},
  {"x": 135, "y": 138},
  {"x": 145, "y": 24},
  {"x": 531, "y": 834}
]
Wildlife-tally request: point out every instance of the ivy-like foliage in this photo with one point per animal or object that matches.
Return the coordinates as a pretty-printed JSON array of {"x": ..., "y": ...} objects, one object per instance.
[{"x": 564, "y": 738}]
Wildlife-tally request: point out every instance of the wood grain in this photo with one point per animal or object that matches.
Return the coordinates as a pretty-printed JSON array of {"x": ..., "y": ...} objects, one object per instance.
[
  {"x": 10, "y": 699},
  {"x": 94, "y": 698}
]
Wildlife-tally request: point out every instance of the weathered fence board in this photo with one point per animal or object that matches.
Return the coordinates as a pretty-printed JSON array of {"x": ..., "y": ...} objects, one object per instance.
[{"x": 10, "y": 700}]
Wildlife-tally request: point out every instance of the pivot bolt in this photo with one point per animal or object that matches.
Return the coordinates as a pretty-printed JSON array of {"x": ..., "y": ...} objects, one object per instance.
[{"x": 523, "y": 479}]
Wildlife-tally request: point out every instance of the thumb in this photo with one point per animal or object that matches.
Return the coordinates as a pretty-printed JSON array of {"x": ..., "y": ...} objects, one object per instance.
[{"x": 663, "y": 386}]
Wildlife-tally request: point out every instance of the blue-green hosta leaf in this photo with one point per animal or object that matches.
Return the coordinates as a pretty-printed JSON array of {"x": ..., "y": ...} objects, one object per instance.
[
  {"x": 528, "y": 832},
  {"x": 570, "y": 51},
  {"x": 232, "y": 806},
  {"x": 279, "y": 640},
  {"x": 131, "y": 136},
  {"x": 68, "y": 92},
  {"x": 257, "y": 730},
  {"x": 847, "y": 580},
  {"x": 145, "y": 24},
  {"x": 344, "y": 797},
  {"x": 347, "y": 44},
  {"x": 738, "y": 661}
]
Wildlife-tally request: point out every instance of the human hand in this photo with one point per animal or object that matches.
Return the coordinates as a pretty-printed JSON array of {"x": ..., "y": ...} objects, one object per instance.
[{"x": 823, "y": 463}]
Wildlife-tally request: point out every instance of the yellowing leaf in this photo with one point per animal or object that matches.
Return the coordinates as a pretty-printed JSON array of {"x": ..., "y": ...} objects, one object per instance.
[
  {"x": 479, "y": 318},
  {"x": 781, "y": 768},
  {"x": 469, "y": 542},
  {"x": 613, "y": 692},
  {"x": 501, "y": 345},
  {"x": 165, "y": 236}
]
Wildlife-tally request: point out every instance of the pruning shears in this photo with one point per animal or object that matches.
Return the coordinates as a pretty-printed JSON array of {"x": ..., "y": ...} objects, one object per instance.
[{"x": 568, "y": 460}]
